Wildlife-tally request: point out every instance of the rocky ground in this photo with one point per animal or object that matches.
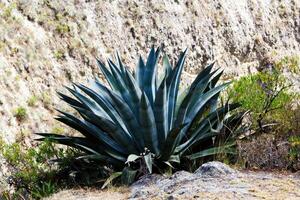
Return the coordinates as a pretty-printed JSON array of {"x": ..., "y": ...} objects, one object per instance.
[{"x": 213, "y": 180}]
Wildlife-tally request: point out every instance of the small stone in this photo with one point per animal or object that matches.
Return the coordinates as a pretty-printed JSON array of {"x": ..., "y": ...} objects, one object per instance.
[
  {"x": 170, "y": 197},
  {"x": 147, "y": 180},
  {"x": 181, "y": 192}
]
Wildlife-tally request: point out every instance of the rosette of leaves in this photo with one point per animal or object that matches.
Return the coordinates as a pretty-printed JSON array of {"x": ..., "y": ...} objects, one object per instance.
[{"x": 143, "y": 119}]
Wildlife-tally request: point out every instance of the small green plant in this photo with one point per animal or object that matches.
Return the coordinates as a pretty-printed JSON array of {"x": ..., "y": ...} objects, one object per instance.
[
  {"x": 62, "y": 28},
  {"x": 144, "y": 124},
  {"x": 6, "y": 11},
  {"x": 291, "y": 63},
  {"x": 20, "y": 114},
  {"x": 2, "y": 45},
  {"x": 44, "y": 189},
  {"x": 58, "y": 130},
  {"x": 295, "y": 148},
  {"x": 46, "y": 99},
  {"x": 32, "y": 101},
  {"x": 59, "y": 54}
]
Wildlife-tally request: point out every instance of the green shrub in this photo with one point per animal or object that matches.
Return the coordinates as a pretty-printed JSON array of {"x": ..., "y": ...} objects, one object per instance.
[
  {"x": 267, "y": 96},
  {"x": 145, "y": 124},
  {"x": 295, "y": 148},
  {"x": 274, "y": 110},
  {"x": 32, "y": 101},
  {"x": 21, "y": 114},
  {"x": 34, "y": 175}
]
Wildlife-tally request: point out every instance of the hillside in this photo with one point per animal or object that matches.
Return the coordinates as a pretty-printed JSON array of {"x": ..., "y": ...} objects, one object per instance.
[{"x": 47, "y": 44}]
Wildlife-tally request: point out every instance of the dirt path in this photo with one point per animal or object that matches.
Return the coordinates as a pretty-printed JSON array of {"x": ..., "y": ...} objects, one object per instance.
[{"x": 183, "y": 185}]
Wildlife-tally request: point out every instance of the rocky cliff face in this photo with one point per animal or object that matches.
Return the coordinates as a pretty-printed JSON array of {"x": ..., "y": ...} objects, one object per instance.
[{"x": 47, "y": 44}]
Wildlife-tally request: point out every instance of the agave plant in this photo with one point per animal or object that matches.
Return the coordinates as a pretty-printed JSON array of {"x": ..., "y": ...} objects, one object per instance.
[{"x": 143, "y": 116}]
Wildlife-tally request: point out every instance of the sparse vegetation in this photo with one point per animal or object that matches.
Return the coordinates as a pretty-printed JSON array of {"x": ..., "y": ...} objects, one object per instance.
[
  {"x": 20, "y": 114},
  {"x": 30, "y": 167},
  {"x": 32, "y": 101},
  {"x": 289, "y": 63},
  {"x": 58, "y": 129},
  {"x": 6, "y": 11},
  {"x": 294, "y": 152},
  {"x": 62, "y": 28},
  {"x": 59, "y": 54},
  {"x": 2, "y": 45},
  {"x": 34, "y": 175},
  {"x": 46, "y": 99}
]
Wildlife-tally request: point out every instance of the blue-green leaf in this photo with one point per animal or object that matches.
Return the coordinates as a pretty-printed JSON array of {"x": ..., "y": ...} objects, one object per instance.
[
  {"x": 148, "y": 126},
  {"x": 139, "y": 75},
  {"x": 149, "y": 162},
  {"x": 161, "y": 113},
  {"x": 173, "y": 81},
  {"x": 150, "y": 75},
  {"x": 107, "y": 74}
]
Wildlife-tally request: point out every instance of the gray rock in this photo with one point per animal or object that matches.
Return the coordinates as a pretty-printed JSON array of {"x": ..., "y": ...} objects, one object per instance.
[
  {"x": 214, "y": 169},
  {"x": 138, "y": 188},
  {"x": 147, "y": 180},
  {"x": 4, "y": 173},
  {"x": 165, "y": 185},
  {"x": 168, "y": 185},
  {"x": 182, "y": 176}
]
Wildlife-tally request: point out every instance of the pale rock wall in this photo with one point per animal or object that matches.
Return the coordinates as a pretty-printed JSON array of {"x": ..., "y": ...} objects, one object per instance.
[{"x": 47, "y": 44}]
